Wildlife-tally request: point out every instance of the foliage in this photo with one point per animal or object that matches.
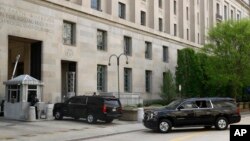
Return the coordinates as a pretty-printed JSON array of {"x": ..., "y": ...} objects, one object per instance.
[
  {"x": 168, "y": 89},
  {"x": 228, "y": 66},
  {"x": 190, "y": 73}
]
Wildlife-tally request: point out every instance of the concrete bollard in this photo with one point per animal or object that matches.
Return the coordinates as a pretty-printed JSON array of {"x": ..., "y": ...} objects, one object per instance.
[
  {"x": 49, "y": 111},
  {"x": 140, "y": 114},
  {"x": 32, "y": 113}
]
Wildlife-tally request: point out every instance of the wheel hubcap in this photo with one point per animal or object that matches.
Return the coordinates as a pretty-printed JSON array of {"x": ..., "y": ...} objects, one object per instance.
[
  {"x": 57, "y": 114},
  {"x": 90, "y": 118},
  {"x": 222, "y": 123},
  {"x": 164, "y": 126}
]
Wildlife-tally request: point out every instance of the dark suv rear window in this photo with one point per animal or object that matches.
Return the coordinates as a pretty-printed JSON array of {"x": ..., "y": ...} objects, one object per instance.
[
  {"x": 111, "y": 102},
  {"x": 224, "y": 104}
]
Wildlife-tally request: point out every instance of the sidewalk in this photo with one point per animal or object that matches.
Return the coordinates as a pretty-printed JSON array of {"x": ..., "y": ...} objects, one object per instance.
[{"x": 64, "y": 130}]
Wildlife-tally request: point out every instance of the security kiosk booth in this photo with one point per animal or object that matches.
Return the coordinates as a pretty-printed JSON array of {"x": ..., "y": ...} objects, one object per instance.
[{"x": 18, "y": 93}]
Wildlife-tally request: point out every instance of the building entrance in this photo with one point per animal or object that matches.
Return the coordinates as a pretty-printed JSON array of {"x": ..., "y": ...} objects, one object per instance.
[
  {"x": 30, "y": 52},
  {"x": 68, "y": 71}
]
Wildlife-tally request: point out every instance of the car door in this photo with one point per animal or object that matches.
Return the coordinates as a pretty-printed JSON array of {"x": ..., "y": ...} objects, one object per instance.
[
  {"x": 203, "y": 114},
  {"x": 185, "y": 114}
]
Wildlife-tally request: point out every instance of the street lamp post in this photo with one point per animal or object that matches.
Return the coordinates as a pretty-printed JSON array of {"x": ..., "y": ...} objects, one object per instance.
[{"x": 118, "y": 63}]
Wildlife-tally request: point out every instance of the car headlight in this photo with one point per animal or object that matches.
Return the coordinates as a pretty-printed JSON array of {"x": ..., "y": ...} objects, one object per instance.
[{"x": 152, "y": 115}]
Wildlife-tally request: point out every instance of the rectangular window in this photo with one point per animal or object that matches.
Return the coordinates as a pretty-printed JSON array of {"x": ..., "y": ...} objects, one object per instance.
[
  {"x": 127, "y": 46},
  {"x": 198, "y": 36},
  {"x": 165, "y": 54},
  {"x": 148, "y": 50},
  {"x": 122, "y": 10},
  {"x": 143, "y": 18},
  {"x": 187, "y": 34},
  {"x": 96, "y": 4},
  {"x": 187, "y": 12},
  {"x": 198, "y": 18},
  {"x": 175, "y": 29},
  {"x": 160, "y": 3},
  {"x": 148, "y": 81},
  {"x": 127, "y": 80},
  {"x": 68, "y": 33},
  {"x": 232, "y": 14},
  {"x": 101, "y": 78},
  {"x": 101, "y": 40},
  {"x": 175, "y": 6},
  {"x": 160, "y": 24},
  {"x": 217, "y": 8},
  {"x": 225, "y": 12},
  {"x": 13, "y": 93}
]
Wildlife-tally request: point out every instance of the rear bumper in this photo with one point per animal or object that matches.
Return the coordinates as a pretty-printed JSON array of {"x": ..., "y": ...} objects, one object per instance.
[{"x": 235, "y": 118}]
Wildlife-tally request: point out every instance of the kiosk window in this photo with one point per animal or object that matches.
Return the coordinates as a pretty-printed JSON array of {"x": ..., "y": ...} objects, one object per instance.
[{"x": 13, "y": 93}]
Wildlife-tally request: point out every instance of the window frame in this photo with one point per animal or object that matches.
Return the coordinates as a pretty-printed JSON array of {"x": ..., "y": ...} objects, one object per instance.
[
  {"x": 160, "y": 20},
  {"x": 128, "y": 80},
  {"x": 72, "y": 38},
  {"x": 165, "y": 54},
  {"x": 148, "y": 50},
  {"x": 143, "y": 18},
  {"x": 121, "y": 10},
  {"x": 148, "y": 81},
  {"x": 96, "y": 4},
  {"x": 103, "y": 46},
  {"x": 101, "y": 78},
  {"x": 127, "y": 45}
]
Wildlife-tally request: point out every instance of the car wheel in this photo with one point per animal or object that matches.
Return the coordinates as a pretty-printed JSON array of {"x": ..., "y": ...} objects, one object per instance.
[
  {"x": 221, "y": 123},
  {"x": 91, "y": 118},
  {"x": 58, "y": 115},
  {"x": 164, "y": 126},
  {"x": 109, "y": 120}
]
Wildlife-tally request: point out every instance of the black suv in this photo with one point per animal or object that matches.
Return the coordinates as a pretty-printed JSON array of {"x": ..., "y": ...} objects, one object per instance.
[
  {"x": 90, "y": 107},
  {"x": 207, "y": 112}
]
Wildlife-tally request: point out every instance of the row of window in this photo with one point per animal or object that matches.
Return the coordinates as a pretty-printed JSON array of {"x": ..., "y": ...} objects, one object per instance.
[
  {"x": 127, "y": 77},
  {"x": 69, "y": 39},
  {"x": 226, "y": 12}
]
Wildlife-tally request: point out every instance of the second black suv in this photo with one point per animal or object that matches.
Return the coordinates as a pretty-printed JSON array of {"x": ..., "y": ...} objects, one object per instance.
[
  {"x": 207, "y": 112},
  {"x": 90, "y": 107}
]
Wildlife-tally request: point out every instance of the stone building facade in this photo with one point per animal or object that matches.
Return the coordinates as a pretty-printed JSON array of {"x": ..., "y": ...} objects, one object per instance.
[{"x": 67, "y": 43}]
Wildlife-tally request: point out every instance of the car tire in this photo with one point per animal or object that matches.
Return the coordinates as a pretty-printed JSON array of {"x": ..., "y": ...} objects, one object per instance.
[
  {"x": 164, "y": 126},
  {"x": 91, "y": 118},
  {"x": 109, "y": 120},
  {"x": 221, "y": 123},
  {"x": 58, "y": 115}
]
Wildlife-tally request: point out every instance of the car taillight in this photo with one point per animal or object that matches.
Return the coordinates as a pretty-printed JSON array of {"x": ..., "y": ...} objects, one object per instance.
[
  {"x": 238, "y": 110},
  {"x": 104, "y": 108}
]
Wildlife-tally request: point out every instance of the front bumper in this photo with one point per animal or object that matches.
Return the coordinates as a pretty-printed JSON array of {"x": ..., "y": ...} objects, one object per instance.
[{"x": 151, "y": 124}]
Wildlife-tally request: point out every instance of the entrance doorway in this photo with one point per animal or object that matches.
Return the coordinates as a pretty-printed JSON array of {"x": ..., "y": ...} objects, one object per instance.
[
  {"x": 68, "y": 72},
  {"x": 30, "y": 60}
]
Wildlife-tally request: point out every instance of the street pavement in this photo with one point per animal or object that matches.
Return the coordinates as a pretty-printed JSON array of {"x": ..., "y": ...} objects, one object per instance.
[
  {"x": 63, "y": 130},
  {"x": 71, "y": 130}
]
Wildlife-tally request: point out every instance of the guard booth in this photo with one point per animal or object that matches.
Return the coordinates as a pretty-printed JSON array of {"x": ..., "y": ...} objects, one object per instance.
[{"x": 18, "y": 93}]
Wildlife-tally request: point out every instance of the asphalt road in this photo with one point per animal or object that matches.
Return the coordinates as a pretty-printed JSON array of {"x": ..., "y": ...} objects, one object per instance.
[
  {"x": 71, "y": 130},
  {"x": 178, "y": 134}
]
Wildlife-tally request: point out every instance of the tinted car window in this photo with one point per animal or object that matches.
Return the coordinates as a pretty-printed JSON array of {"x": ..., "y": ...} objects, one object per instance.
[
  {"x": 203, "y": 103},
  {"x": 174, "y": 104},
  {"x": 224, "y": 104},
  {"x": 111, "y": 102},
  {"x": 188, "y": 105}
]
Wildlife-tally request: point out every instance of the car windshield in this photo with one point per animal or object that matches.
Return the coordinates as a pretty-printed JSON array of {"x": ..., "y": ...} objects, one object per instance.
[{"x": 174, "y": 104}]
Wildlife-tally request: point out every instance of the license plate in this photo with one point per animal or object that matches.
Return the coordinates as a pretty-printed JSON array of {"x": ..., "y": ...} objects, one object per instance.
[{"x": 114, "y": 109}]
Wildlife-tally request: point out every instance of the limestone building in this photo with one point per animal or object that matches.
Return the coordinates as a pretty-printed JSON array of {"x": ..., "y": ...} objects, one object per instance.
[{"x": 67, "y": 43}]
